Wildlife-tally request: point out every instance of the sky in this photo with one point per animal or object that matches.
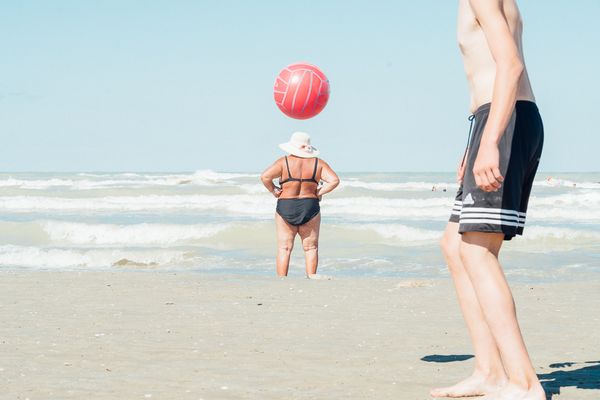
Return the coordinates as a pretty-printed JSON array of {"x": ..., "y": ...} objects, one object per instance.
[{"x": 179, "y": 85}]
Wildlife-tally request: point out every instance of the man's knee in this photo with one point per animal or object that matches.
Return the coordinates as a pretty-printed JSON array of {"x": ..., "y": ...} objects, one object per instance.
[
  {"x": 464, "y": 252},
  {"x": 450, "y": 248}
]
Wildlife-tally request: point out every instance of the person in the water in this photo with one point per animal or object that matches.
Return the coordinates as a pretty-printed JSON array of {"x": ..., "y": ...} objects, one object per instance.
[{"x": 298, "y": 196}]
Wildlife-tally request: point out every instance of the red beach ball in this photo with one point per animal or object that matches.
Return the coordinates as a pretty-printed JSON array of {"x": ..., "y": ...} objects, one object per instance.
[{"x": 301, "y": 91}]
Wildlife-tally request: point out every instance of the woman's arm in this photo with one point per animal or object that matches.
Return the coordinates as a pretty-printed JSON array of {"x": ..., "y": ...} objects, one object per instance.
[
  {"x": 329, "y": 177},
  {"x": 272, "y": 172}
]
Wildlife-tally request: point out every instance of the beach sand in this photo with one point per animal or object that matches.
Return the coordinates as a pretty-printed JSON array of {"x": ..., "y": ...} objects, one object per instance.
[{"x": 163, "y": 335}]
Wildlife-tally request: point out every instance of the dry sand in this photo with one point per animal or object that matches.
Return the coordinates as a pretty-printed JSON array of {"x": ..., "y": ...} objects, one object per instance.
[{"x": 157, "y": 335}]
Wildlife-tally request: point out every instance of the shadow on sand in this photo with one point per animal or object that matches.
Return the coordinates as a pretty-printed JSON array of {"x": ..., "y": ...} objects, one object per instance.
[
  {"x": 444, "y": 358},
  {"x": 587, "y": 376}
]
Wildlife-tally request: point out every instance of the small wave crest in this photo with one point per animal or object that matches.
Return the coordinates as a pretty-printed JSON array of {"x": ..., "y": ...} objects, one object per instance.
[
  {"x": 399, "y": 186},
  {"x": 557, "y": 182},
  {"x": 36, "y": 257},
  {"x": 400, "y": 234},
  {"x": 569, "y": 207},
  {"x": 561, "y": 235},
  {"x": 125, "y": 180},
  {"x": 240, "y": 204},
  {"x": 129, "y": 235}
]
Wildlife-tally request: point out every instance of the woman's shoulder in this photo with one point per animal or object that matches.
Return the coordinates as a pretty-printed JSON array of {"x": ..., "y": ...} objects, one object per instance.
[{"x": 323, "y": 162}]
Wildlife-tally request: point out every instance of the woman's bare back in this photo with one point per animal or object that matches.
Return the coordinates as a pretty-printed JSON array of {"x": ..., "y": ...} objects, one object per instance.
[{"x": 304, "y": 177}]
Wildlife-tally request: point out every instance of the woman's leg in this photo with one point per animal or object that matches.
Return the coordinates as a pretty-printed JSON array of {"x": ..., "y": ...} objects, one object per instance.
[
  {"x": 286, "y": 233},
  {"x": 309, "y": 233}
]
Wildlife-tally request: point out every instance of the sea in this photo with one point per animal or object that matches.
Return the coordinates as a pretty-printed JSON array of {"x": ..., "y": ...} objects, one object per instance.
[{"x": 374, "y": 224}]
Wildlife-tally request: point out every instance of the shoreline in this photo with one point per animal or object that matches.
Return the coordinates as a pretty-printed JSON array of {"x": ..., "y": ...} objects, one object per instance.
[
  {"x": 515, "y": 276},
  {"x": 159, "y": 334}
]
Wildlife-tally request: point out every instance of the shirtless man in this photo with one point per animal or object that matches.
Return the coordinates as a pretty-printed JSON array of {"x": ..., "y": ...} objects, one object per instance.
[{"x": 496, "y": 175}]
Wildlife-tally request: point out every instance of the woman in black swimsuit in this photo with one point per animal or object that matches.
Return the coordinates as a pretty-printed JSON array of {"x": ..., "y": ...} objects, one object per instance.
[{"x": 298, "y": 194}]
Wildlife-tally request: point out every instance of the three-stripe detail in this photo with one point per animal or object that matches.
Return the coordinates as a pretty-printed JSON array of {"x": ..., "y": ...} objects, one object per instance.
[
  {"x": 457, "y": 207},
  {"x": 492, "y": 216}
]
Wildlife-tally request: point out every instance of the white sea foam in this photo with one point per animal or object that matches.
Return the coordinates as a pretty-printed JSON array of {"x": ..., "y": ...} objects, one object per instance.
[
  {"x": 235, "y": 234},
  {"x": 373, "y": 224},
  {"x": 373, "y": 186},
  {"x": 257, "y": 188},
  {"x": 543, "y": 233},
  {"x": 399, "y": 186},
  {"x": 79, "y": 245},
  {"x": 399, "y": 233},
  {"x": 247, "y": 205},
  {"x": 110, "y": 174},
  {"x": 583, "y": 207},
  {"x": 557, "y": 182},
  {"x": 127, "y": 180},
  {"x": 129, "y": 235},
  {"x": 35, "y": 257},
  {"x": 403, "y": 234},
  {"x": 221, "y": 176},
  {"x": 209, "y": 178},
  {"x": 381, "y": 208},
  {"x": 585, "y": 199},
  {"x": 238, "y": 204},
  {"x": 39, "y": 184},
  {"x": 86, "y": 184}
]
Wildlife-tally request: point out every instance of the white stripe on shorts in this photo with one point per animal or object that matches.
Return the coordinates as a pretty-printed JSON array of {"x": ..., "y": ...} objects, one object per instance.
[
  {"x": 493, "y": 211},
  {"x": 493, "y": 216},
  {"x": 491, "y": 222}
]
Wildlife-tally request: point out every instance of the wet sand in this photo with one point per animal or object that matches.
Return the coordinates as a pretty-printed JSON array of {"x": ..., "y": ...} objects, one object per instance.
[{"x": 158, "y": 335}]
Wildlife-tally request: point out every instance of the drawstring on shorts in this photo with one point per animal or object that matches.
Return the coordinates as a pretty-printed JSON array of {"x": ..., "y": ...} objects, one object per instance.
[{"x": 471, "y": 119}]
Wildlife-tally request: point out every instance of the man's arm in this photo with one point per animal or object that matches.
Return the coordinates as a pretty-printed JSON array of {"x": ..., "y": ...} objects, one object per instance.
[{"x": 509, "y": 68}]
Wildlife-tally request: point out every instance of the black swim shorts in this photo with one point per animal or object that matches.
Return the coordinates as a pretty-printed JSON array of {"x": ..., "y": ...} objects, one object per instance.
[{"x": 520, "y": 149}]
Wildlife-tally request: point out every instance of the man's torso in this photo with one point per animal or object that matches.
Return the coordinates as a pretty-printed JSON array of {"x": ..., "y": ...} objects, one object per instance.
[{"x": 478, "y": 61}]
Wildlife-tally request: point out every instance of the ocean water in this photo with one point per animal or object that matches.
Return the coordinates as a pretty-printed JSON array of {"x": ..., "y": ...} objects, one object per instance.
[{"x": 375, "y": 224}]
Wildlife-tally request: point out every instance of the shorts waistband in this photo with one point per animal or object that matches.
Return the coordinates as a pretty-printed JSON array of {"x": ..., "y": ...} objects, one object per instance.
[{"x": 520, "y": 103}]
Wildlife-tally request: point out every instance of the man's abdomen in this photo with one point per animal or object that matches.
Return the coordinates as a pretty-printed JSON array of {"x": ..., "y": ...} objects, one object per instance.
[{"x": 481, "y": 85}]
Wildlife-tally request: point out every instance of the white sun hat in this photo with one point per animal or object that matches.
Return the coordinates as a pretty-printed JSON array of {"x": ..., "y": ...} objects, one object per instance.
[{"x": 299, "y": 145}]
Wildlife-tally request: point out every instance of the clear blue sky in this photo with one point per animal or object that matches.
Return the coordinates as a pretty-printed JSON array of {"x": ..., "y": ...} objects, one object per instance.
[{"x": 186, "y": 85}]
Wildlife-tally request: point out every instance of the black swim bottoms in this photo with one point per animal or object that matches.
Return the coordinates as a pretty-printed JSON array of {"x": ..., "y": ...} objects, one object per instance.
[
  {"x": 298, "y": 211},
  {"x": 520, "y": 149}
]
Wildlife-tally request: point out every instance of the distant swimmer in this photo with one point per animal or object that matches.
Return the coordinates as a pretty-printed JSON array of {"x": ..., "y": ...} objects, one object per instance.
[
  {"x": 496, "y": 177},
  {"x": 298, "y": 208}
]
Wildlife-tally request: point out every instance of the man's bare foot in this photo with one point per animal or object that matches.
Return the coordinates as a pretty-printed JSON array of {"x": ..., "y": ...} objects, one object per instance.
[
  {"x": 475, "y": 385},
  {"x": 514, "y": 392}
]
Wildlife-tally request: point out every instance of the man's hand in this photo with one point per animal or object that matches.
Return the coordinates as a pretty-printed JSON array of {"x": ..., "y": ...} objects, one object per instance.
[{"x": 487, "y": 168}]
